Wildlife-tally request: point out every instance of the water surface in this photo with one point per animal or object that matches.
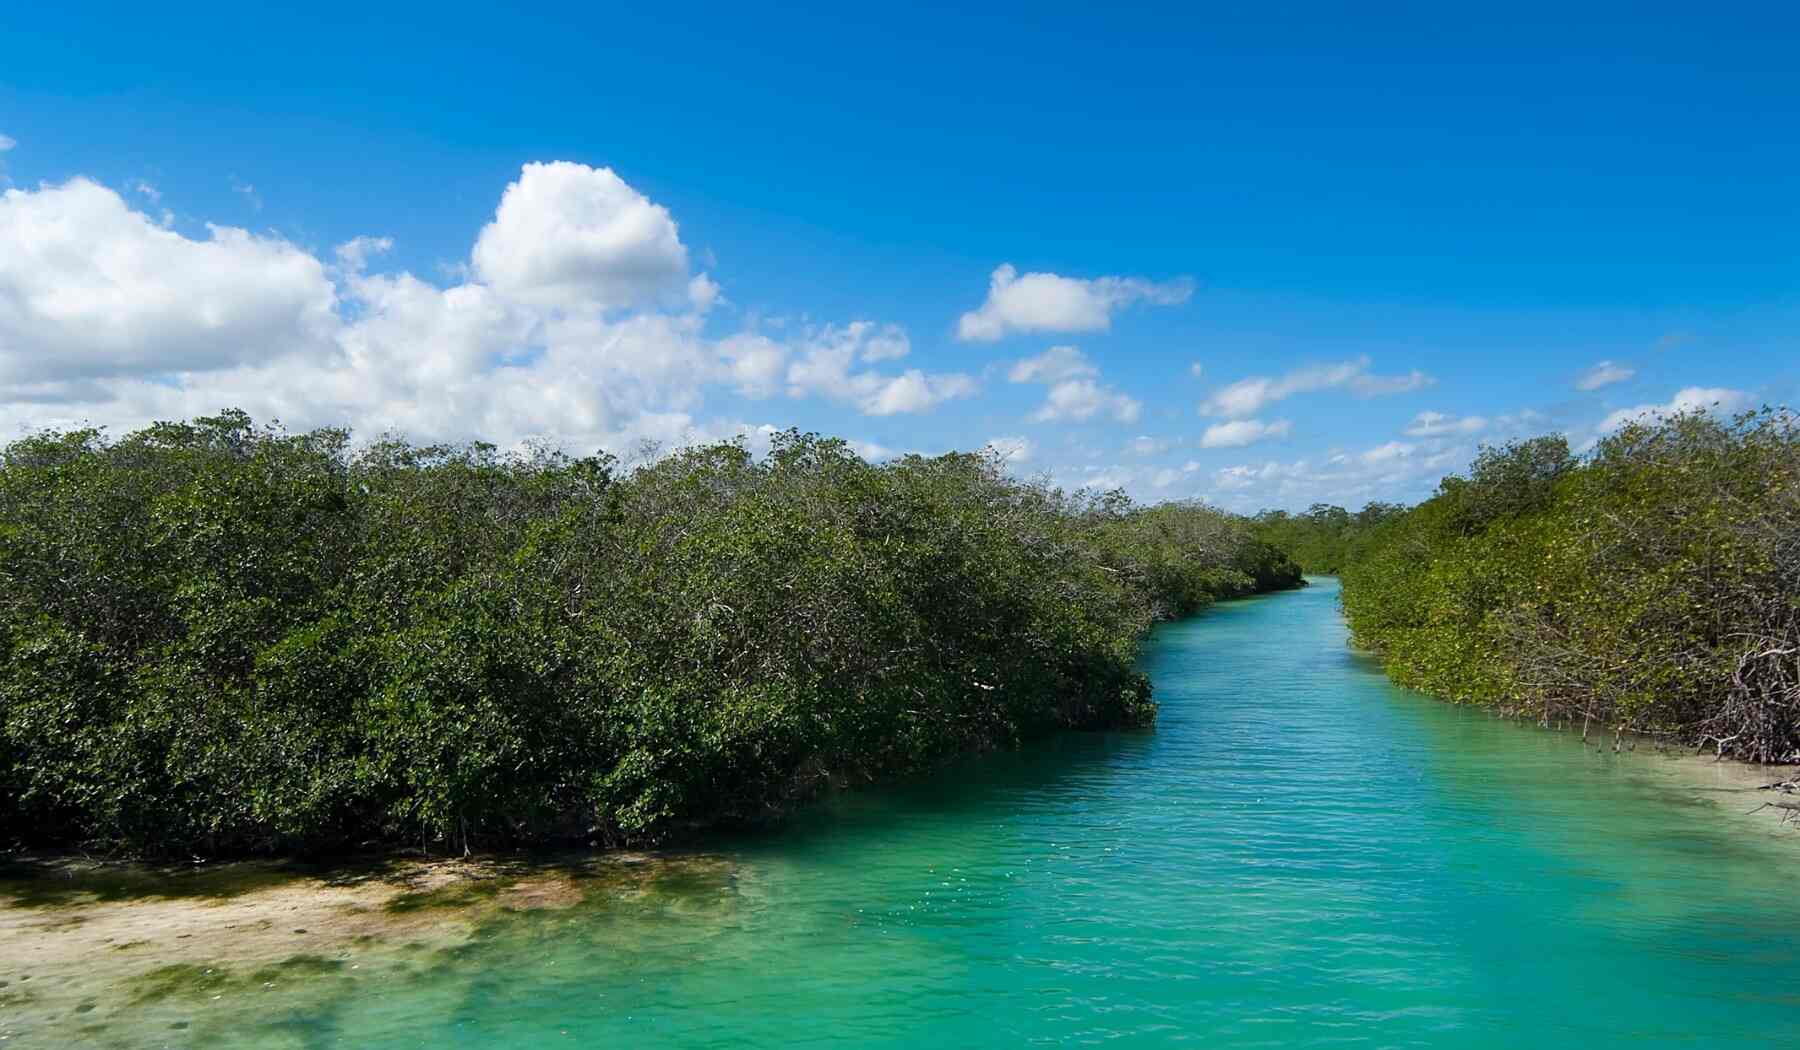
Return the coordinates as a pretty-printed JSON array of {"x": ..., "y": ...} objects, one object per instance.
[{"x": 1300, "y": 855}]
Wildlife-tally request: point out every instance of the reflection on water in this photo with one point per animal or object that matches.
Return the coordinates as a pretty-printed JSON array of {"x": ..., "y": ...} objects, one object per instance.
[{"x": 1299, "y": 855}]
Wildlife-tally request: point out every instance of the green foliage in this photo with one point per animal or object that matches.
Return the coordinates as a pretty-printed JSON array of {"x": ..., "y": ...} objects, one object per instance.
[
  {"x": 1324, "y": 538},
  {"x": 1653, "y": 585},
  {"x": 220, "y": 638}
]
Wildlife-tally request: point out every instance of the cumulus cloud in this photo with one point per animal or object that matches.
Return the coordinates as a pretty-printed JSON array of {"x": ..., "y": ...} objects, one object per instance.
[
  {"x": 1240, "y": 432},
  {"x": 578, "y": 322},
  {"x": 353, "y": 255},
  {"x": 90, "y": 288},
  {"x": 703, "y": 292},
  {"x": 1048, "y": 302},
  {"x": 1076, "y": 393},
  {"x": 1687, "y": 399},
  {"x": 755, "y": 363},
  {"x": 1247, "y": 397},
  {"x": 1245, "y": 475},
  {"x": 1387, "y": 453},
  {"x": 1167, "y": 476},
  {"x": 1197, "y": 370},
  {"x": 1606, "y": 373},
  {"x": 7, "y": 142},
  {"x": 1102, "y": 479},
  {"x": 827, "y": 366},
  {"x": 1145, "y": 445},
  {"x": 568, "y": 236},
  {"x": 1058, "y": 362},
  {"x": 885, "y": 343},
  {"x": 916, "y": 391},
  {"x": 1437, "y": 424},
  {"x": 1079, "y": 400}
]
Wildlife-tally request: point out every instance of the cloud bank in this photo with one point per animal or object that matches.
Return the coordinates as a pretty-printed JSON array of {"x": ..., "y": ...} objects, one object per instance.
[{"x": 580, "y": 321}]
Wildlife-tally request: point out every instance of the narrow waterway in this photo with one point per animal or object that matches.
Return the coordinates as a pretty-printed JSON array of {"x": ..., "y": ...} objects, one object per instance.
[{"x": 1299, "y": 855}]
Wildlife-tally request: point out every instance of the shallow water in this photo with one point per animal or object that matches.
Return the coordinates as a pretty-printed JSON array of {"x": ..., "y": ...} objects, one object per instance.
[{"x": 1300, "y": 855}]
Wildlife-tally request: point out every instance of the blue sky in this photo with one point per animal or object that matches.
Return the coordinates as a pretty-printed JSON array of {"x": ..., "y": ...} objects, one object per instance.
[{"x": 1512, "y": 223}]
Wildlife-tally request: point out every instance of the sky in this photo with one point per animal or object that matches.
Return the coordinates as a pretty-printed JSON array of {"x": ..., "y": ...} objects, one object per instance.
[{"x": 1261, "y": 255}]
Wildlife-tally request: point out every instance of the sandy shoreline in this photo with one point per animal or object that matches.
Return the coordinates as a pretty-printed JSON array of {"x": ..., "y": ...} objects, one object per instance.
[
  {"x": 1743, "y": 789},
  {"x": 92, "y": 949}
]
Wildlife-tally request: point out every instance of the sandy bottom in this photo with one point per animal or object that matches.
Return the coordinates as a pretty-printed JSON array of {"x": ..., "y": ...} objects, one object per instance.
[
  {"x": 1752, "y": 798},
  {"x": 97, "y": 953}
]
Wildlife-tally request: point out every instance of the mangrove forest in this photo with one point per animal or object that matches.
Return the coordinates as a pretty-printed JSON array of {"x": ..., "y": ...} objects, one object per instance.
[
  {"x": 1650, "y": 585},
  {"x": 223, "y": 638}
]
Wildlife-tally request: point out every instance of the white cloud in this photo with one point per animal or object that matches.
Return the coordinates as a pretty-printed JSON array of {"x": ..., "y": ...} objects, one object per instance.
[
  {"x": 1242, "y": 476},
  {"x": 703, "y": 292},
  {"x": 1437, "y": 424},
  {"x": 596, "y": 341},
  {"x": 434, "y": 335},
  {"x": 1058, "y": 362},
  {"x": 7, "y": 142},
  {"x": 1196, "y": 370},
  {"x": 1106, "y": 478},
  {"x": 1606, "y": 373},
  {"x": 91, "y": 288},
  {"x": 1075, "y": 394},
  {"x": 1080, "y": 400},
  {"x": 755, "y": 363},
  {"x": 826, "y": 366},
  {"x": 915, "y": 391},
  {"x": 1395, "y": 470},
  {"x": 570, "y": 237},
  {"x": 1387, "y": 453},
  {"x": 886, "y": 343},
  {"x": 1048, "y": 302},
  {"x": 1241, "y": 432},
  {"x": 1688, "y": 399},
  {"x": 1013, "y": 448},
  {"x": 1145, "y": 445},
  {"x": 354, "y": 254},
  {"x": 144, "y": 188},
  {"x": 1162, "y": 479},
  {"x": 1246, "y": 397}
]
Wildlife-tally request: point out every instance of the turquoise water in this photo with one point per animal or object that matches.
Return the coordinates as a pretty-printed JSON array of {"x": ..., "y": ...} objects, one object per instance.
[{"x": 1300, "y": 855}]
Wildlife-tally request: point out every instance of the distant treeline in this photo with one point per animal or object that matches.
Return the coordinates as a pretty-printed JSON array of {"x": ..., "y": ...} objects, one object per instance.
[
  {"x": 219, "y": 638},
  {"x": 1325, "y": 538},
  {"x": 1652, "y": 584}
]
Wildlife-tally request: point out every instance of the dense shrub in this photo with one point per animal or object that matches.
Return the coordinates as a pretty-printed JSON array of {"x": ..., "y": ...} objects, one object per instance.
[
  {"x": 222, "y": 638},
  {"x": 1652, "y": 585}
]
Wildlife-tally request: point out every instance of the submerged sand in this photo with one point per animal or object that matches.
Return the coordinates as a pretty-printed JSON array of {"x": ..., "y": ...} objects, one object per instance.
[{"x": 104, "y": 954}]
